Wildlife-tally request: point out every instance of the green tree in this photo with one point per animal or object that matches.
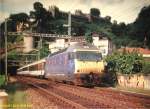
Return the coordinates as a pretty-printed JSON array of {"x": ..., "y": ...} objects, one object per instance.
[
  {"x": 142, "y": 26},
  {"x": 44, "y": 51},
  {"x": 12, "y": 26},
  {"x": 42, "y": 18},
  {"x": 95, "y": 12},
  {"x": 119, "y": 29},
  {"x": 78, "y": 28},
  {"x": 57, "y": 12},
  {"x": 37, "y": 6},
  {"x": 108, "y": 19},
  {"x": 20, "y": 17},
  {"x": 88, "y": 37}
]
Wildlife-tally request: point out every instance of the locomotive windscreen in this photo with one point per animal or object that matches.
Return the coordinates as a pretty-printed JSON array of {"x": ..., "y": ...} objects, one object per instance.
[{"x": 88, "y": 56}]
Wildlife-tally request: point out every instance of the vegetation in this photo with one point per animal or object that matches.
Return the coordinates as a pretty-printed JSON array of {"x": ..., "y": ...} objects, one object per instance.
[
  {"x": 17, "y": 95},
  {"x": 2, "y": 80},
  {"x": 125, "y": 63},
  {"x": 88, "y": 37},
  {"x": 44, "y": 51},
  {"x": 146, "y": 68},
  {"x": 95, "y": 12}
]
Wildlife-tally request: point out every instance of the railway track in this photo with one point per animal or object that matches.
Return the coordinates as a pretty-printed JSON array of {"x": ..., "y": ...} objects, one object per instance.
[
  {"x": 62, "y": 102},
  {"x": 75, "y": 100},
  {"x": 113, "y": 100},
  {"x": 118, "y": 98},
  {"x": 81, "y": 98}
]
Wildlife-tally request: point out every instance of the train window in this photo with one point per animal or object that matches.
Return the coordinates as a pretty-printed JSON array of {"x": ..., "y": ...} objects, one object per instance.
[
  {"x": 33, "y": 67},
  {"x": 40, "y": 66},
  {"x": 90, "y": 56},
  {"x": 19, "y": 70},
  {"x": 25, "y": 69}
]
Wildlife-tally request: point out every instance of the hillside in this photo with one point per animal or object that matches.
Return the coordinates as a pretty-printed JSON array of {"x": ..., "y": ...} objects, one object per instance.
[{"x": 52, "y": 21}]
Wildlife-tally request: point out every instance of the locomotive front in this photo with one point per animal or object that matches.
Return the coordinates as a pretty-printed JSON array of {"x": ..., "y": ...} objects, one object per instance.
[{"x": 89, "y": 65}]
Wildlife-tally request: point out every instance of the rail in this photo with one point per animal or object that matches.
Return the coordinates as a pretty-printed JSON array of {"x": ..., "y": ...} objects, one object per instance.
[
  {"x": 57, "y": 98},
  {"x": 93, "y": 98}
]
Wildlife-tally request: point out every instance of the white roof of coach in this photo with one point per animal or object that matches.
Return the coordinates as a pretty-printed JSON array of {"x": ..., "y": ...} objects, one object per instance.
[{"x": 36, "y": 62}]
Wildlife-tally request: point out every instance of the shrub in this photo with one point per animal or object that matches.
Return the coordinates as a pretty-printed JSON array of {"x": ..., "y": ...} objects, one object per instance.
[
  {"x": 146, "y": 68},
  {"x": 126, "y": 63},
  {"x": 2, "y": 80}
]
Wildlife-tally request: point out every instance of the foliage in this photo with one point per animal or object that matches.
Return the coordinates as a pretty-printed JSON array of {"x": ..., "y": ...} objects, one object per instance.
[
  {"x": 119, "y": 29},
  {"x": 41, "y": 16},
  {"x": 88, "y": 37},
  {"x": 37, "y": 5},
  {"x": 16, "y": 93},
  {"x": 17, "y": 19},
  {"x": 14, "y": 20},
  {"x": 44, "y": 51},
  {"x": 107, "y": 18},
  {"x": 78, "y": 28},
  {"x": 57, "y": 12},
  {"x": 141, "y": 26},
  {"x": 146, "y": 68},
  {"x": 126, "y": 63},
  {"x": 13, "y": 55},
  {"x": 2, "y": 80},
  {"x": 20, "y": 17},
  {"x": 95, "y": 12}
]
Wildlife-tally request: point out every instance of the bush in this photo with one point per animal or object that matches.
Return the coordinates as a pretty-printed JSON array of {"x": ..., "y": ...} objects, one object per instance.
[
  {"x": 126, "y": 63},
  {"x": 2, "y": 80},
  {"x": 146, "y": 68}
]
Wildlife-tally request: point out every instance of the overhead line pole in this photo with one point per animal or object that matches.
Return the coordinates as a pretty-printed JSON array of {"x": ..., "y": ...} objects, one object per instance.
[
  {"x": 69, "y": 23},
  {"x": 69, "y": 26},
  {"x": 6, "y": 74}
]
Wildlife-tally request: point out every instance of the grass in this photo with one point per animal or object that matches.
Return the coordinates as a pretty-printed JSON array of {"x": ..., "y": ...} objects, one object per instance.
[{"x": 2, "y": 80}]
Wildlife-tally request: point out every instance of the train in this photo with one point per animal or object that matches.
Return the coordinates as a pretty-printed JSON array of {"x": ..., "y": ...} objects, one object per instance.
[
  {"x": 33, "y": 69},
  {"x": 79, "y": 64}
]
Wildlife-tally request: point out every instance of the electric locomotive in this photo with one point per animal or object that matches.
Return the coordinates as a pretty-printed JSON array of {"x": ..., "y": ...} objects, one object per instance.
[{"x": 80, "y": 64}]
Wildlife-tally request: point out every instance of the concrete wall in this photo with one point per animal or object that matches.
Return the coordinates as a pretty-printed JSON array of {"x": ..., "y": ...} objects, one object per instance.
[
  {"x": 28, "y": 44},
  {"x": 134, "y": 81}
]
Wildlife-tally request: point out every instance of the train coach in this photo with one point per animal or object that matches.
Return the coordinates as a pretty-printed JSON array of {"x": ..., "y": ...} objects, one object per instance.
[
  {"x": 33, "y": 69},
  {"x": 80, "y": 64}
]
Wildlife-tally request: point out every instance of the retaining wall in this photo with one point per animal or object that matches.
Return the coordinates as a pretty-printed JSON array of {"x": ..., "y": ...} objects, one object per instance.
[{"x": 134, "y": 81}]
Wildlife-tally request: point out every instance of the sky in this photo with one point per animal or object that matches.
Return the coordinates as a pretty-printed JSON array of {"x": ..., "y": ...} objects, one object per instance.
[{"x": 120, "y": 10}]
